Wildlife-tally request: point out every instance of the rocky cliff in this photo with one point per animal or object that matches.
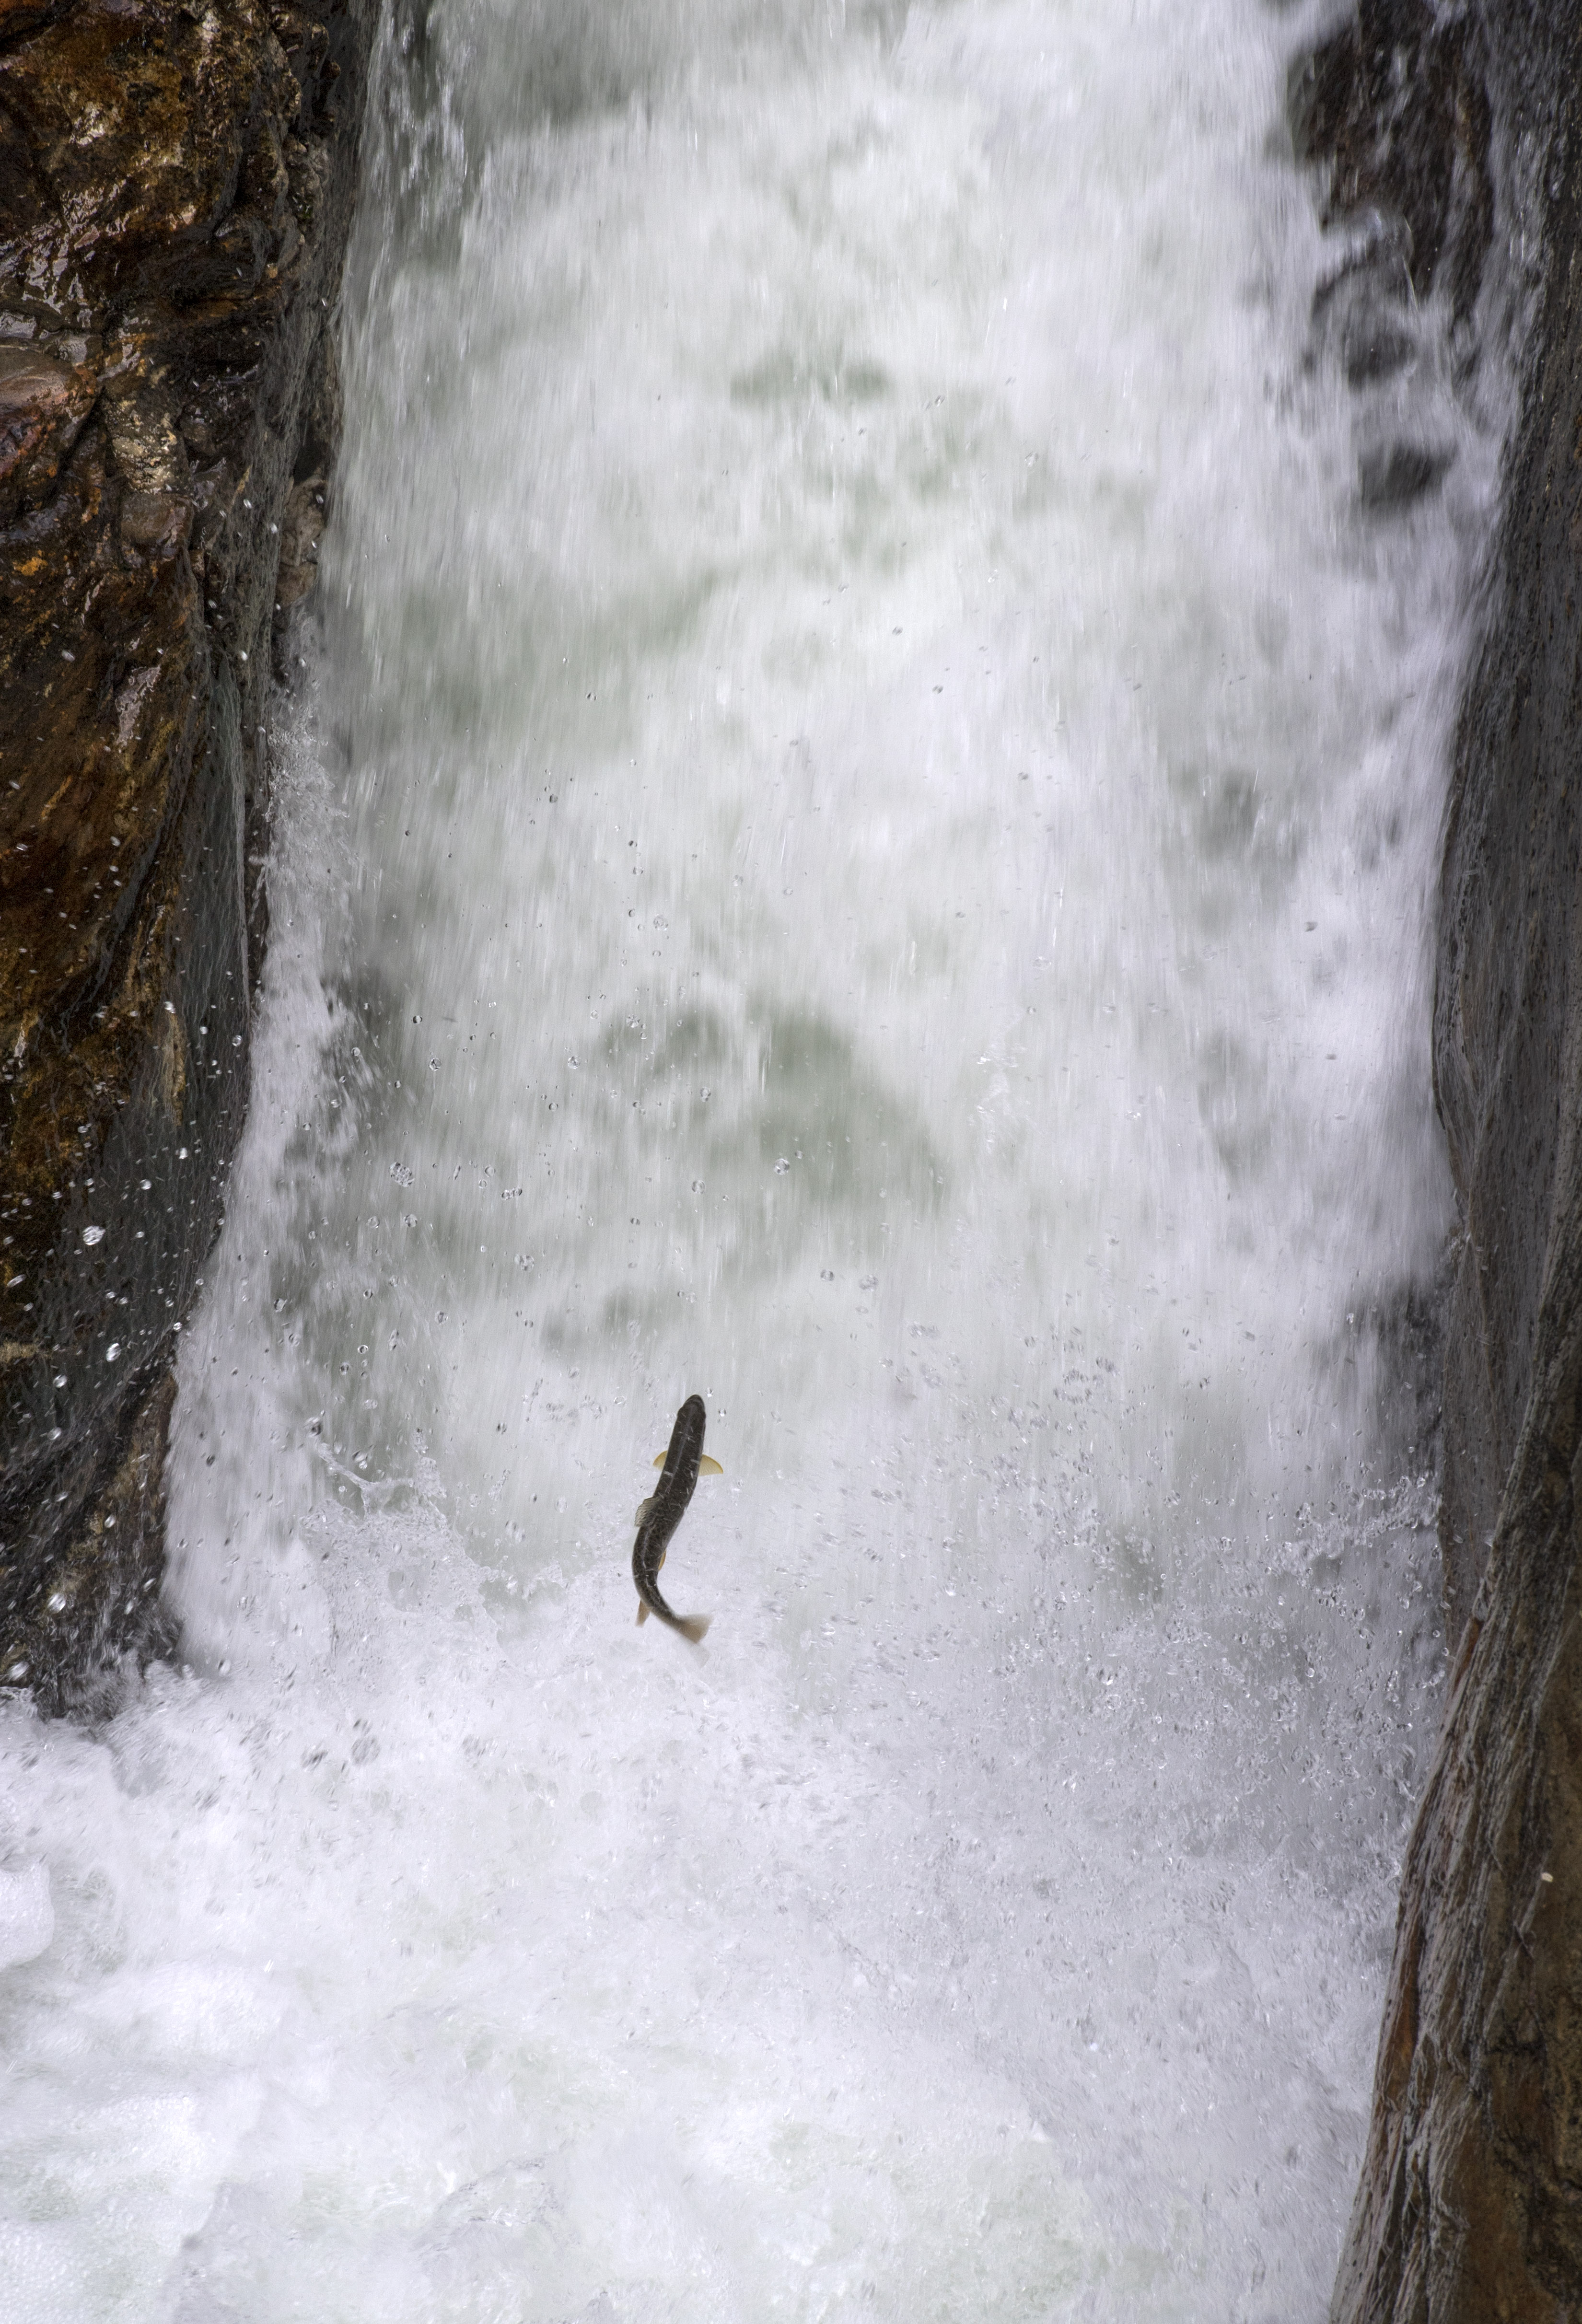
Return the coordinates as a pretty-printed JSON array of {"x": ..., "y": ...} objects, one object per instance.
[
  {"x": 176, "y": 181},
  {"x": 1470, "y": 2204}
]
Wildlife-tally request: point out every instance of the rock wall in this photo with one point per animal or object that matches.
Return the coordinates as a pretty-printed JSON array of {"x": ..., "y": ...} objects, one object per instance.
[
  {"x": 1502, "y": 999},
  {"x": 1470, "y": 2204},
  {"x": 176, "y": 181}
]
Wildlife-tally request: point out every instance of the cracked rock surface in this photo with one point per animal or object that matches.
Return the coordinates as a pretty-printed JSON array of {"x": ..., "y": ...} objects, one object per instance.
[{"x": 176, "y": 184}]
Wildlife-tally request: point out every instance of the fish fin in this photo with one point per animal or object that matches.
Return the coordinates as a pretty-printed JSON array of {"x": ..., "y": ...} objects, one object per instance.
[
  {"x": 641, "y": 1611},
  {"x": 642, "y": 1509},
  {"x": 709, "y": 1467},
  {"x": 693, "y": 1626},
  {"x": 658, "y": 1459}
]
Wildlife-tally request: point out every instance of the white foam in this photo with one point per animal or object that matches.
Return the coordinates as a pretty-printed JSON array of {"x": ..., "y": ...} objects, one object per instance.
[{"x": 27, "y": 1918}]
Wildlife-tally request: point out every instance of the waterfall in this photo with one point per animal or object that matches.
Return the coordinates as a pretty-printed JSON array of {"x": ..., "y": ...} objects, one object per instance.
[{"x": 857, "y": 836}]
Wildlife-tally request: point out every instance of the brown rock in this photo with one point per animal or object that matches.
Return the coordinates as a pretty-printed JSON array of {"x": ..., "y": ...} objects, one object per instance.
[
  {"x": 44, "y": 399},
  {"x": 300, "y": 536},
  {"x": 174, "y": 199},
  {"x": 18, "y": 17}
]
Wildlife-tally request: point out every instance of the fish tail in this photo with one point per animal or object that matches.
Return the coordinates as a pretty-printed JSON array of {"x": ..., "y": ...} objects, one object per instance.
[{"x": 693, "y": 1626}]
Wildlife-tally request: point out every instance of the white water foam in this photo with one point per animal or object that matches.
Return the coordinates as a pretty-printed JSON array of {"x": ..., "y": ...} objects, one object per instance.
[{"x": 861, "y": 842}]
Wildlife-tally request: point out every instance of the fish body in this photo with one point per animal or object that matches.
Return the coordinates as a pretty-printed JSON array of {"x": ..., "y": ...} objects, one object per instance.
[{"x": 660, "y": 1516}]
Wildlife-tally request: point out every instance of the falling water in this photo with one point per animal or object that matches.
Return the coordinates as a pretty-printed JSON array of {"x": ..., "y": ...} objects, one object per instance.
[{"x": 857, "y": 837}]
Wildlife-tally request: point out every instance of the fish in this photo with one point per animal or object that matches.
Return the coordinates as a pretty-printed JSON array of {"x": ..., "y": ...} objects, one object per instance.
[{"x": 662, "y": 1512}]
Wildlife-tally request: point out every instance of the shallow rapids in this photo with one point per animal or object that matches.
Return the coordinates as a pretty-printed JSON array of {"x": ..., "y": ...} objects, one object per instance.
[{"x": 858, "y": 838}]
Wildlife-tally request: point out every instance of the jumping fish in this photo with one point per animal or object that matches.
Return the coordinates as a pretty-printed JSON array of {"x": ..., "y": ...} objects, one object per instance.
[{"x": 662, "y": 1512}]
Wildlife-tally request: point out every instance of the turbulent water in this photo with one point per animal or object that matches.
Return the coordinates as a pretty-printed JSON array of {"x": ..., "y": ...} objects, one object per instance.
[{"x": 857, "y": 836}]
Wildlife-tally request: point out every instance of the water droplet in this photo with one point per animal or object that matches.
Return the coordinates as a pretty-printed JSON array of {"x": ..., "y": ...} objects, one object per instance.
[
  {"x": 112, "y": 1352},
  {"x": 90, "y": 1235}
]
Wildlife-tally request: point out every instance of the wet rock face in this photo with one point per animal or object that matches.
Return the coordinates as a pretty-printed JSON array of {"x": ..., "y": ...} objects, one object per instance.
[
  {"x": 1391, "y": 114},
  {"x": 175, "y": 191},
  {"x": 1394, "y": 106},
  {"x": 1469, "y": 2208}
]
